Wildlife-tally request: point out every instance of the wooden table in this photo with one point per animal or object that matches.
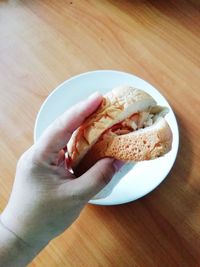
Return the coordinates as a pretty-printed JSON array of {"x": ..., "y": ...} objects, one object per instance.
[{"x": 42, "y": 43}]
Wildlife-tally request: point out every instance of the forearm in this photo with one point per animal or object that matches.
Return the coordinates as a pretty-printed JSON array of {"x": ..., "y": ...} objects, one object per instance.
[{"x": 14, "y": 252}]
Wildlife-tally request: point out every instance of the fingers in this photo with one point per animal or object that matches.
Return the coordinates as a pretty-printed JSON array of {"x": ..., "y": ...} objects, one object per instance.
[
  {"x": 56, "y": 136},
  {"x": 96, "y": 178}
]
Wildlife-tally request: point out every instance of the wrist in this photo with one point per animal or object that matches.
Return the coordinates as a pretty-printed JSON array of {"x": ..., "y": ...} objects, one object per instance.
[
  {"x": 21, "y": 230},
  {"x": 13, "y": 250},
  {"x": 23, "y": 227}
]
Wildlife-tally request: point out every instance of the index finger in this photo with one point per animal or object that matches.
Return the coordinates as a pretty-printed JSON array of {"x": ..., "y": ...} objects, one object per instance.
[{"x": 56, "y": 136}]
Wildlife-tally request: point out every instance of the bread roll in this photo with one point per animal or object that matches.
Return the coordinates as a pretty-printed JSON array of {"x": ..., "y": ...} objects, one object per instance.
[
  {"x": 143, "y": 144},
  {"x": 116, "y": 106}
]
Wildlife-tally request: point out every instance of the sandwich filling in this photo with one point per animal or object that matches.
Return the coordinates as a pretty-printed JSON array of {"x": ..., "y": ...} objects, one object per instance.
[{"x": 135, "y": 122}]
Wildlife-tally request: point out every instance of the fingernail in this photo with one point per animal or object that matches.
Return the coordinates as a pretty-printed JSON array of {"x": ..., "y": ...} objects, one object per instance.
[
  {"x": 94, "y": 95},
  {"x": 118, "y": 164}
]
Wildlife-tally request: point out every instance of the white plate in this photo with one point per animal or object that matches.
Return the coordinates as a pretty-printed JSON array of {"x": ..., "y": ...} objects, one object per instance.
[{"x": 134, "y": 180}]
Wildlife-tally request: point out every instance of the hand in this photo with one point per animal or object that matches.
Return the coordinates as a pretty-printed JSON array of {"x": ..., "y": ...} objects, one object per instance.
[{"x": 46, "y": 198}]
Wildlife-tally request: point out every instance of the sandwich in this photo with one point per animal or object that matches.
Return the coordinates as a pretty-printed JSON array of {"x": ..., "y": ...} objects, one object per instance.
[{"x": 128, "y": 125}]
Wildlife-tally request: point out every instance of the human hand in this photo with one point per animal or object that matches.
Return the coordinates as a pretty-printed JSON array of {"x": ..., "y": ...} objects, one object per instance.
[{"x": 46, "y": 198}]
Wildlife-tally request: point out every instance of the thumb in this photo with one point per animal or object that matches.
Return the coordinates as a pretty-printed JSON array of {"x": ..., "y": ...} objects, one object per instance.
[{"x": 97, "y": 177}]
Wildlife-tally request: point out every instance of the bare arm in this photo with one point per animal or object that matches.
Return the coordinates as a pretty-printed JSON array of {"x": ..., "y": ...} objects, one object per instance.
[
  {"x": 46, "y": 198},
  {"x": 13, "y": 250}
]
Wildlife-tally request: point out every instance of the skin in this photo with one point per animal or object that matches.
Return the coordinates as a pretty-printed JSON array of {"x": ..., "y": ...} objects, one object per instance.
[{"x": 46, "y": 198}]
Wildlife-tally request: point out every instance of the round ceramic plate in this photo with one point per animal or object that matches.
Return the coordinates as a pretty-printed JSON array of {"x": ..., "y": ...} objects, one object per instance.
[{"x": 133, "y": 180}]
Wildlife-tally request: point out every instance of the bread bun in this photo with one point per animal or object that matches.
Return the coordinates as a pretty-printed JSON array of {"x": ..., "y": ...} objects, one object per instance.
[
  {"x": 116, "y": 106},
  {"x": 144, "y": 144}
]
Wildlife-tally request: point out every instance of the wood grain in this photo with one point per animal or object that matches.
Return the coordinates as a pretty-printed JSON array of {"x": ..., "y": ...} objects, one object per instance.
[{"x": 42, "y": 43}]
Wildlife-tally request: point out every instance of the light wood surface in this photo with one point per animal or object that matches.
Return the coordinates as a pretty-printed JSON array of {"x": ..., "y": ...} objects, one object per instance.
[{"x": 42, "y": 43}]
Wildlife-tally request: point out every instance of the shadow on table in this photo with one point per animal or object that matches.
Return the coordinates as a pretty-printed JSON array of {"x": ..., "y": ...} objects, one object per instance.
[
  {"x": 171, "y": 8},
  {"x": 157, "y": 223},
  {"x": 156, "y": 14}
]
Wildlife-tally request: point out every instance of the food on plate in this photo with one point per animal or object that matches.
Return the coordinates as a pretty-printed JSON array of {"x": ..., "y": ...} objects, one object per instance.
[{"x": 128, "y": 125}]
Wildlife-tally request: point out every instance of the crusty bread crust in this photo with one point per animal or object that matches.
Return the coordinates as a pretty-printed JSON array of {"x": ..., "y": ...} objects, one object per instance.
[
  {"x": 117, "y": 105},
  {"x": 144, "y": 144}
]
